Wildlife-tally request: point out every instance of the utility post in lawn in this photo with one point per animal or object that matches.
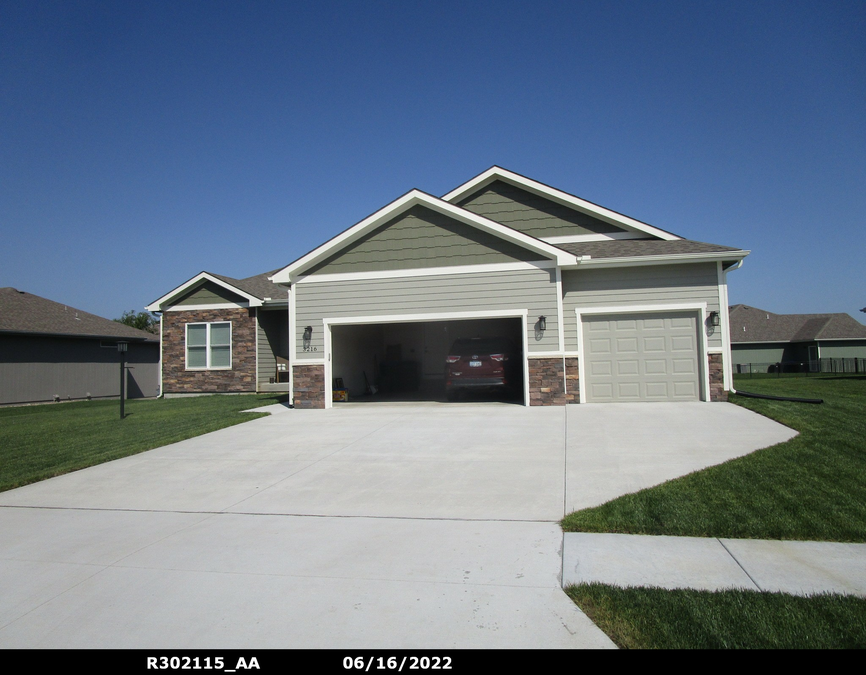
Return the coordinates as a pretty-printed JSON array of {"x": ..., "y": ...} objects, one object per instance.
[{"x": 121, "y": 347}]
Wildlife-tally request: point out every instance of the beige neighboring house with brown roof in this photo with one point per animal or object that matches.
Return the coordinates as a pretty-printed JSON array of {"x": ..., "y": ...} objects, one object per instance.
[
  {"x": 762, "y": 341},
  {"x": 51, "y": 351}
]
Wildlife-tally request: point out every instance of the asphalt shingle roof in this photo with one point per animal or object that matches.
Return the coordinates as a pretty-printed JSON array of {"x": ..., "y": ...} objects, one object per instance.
[
  {"x": 633, "y": 248},
  {"x": 22, "y": 312},
  {"x": 257, "y": 285},
  {"x": 763, "y": 326}
]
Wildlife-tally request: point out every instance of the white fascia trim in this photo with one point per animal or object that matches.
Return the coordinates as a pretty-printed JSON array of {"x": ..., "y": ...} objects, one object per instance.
[
  {"x": 635, "y": 261},
  {"x": 545, "y": 355},
  {"x": 161, "y": 391},
  {"x": 559, "y": 196},
  {"x": 221, "y": 305},
  {"x": 431, "y": 316},
  {"x": 700, "y": 307},
  {"x": 428, "y": 272},
  {"x": 610, "y": 236},
  {"x": 156, "y": 306},
  {"x": 310, "y": 362},
  {"x": 404, "y": 203},
  {"x": 293, "y": 347}
]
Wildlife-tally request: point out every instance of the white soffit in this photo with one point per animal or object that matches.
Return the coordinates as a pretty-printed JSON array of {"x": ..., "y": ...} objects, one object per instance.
[{"x": 558, "y": 196}]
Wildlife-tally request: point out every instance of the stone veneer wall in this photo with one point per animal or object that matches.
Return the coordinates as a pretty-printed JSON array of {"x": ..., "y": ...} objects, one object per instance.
[
  {"x": 309, "y": 386},
  {"x": 176, "y": 379},
  {"x": 572, "y": 380},
  {"x": 546, "y": 382},
  {"x": 717, "y": 378}
]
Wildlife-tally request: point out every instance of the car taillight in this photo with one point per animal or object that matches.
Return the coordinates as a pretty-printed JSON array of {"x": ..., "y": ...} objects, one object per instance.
[
  {"x": 451, "y": 359},
  {"x": 499, "y": 357}
]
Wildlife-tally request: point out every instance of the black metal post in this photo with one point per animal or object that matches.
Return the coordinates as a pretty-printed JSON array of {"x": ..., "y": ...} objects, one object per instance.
[{"x": 121, "y": 347}]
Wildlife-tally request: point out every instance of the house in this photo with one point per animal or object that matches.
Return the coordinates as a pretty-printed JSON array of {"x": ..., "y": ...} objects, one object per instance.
[
  {"x": 765, "y": 342},
  {"x": 603, "y": 307},
  {"x": 51, "y": 351}
]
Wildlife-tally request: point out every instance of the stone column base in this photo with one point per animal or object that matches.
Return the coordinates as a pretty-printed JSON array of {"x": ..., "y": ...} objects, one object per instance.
[
  {"x": 308, "y": 386},
  {"x": 546, "y": 382},
  {"x": 717, "y": 378}
]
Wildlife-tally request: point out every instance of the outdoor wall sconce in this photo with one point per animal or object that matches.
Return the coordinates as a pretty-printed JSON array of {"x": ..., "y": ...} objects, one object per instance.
[
  {"x": 542, "y": 323},
  {"x": 308, "y": 338},
  {"x": 715, "y": 319}
]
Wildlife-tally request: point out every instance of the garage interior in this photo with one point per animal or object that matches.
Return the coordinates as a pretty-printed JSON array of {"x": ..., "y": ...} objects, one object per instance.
[{"x": 406, "y": 361}]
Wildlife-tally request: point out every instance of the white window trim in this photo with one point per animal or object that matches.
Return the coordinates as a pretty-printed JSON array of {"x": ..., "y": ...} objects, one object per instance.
[{"x": 207, "y": 345}]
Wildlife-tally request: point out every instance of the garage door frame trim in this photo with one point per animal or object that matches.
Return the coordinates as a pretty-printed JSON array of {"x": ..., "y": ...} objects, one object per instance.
[
  {"x": 699, "y": 307},
  {"x": 419, "y": 318}
]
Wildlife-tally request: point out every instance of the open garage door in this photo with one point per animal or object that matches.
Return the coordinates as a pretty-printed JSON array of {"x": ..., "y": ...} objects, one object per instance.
[
  {"x": 406, "y": 361},
  {"x": 642, "y": 357}
]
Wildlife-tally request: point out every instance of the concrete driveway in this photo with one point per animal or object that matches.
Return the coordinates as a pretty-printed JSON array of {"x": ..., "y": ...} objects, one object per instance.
[{"x": 374, "y": 526}]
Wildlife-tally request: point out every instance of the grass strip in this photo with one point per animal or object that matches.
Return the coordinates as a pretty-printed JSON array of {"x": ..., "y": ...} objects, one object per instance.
[
  {"x": 655, "y": 618},
  {"x": 812, "y": 487},
  {"x": 38, "y": 442}
]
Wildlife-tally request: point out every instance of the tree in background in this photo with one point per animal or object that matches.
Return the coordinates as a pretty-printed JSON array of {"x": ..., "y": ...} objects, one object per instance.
[{"x": 141, "y": 320}]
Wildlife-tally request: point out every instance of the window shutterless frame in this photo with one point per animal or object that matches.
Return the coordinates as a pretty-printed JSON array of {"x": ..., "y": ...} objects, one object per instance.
[{"x": 209, "y": 346}]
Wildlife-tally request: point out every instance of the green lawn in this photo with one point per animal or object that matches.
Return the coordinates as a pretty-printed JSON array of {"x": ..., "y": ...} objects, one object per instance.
[
  {"x": 38, "y": 442},
  {"x": 811, "y": 487},
  {"x": 653, "y": 618}
]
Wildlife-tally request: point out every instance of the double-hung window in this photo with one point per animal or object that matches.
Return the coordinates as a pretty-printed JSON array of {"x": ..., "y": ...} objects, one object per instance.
[{"x": 209, "y": 346}]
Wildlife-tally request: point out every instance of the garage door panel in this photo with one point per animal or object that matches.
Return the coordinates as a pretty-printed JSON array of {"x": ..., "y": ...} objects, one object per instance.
[
  {"x": 601, "y": 368},
  {"x": 682, "y": 343},
  {"x": 626, "y": 346},
  {"x": 655, "y": 367},
  {"x": 628, "y": 391},
  {"x": 627, "y": 367},
  {"x": 642, "y": 357},
  {"x": 600, "y": 346},
  {"x": 655, "y": 344}
]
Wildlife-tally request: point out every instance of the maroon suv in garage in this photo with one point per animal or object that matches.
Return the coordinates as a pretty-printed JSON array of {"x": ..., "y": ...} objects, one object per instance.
[{"x": 476, "y": 363}]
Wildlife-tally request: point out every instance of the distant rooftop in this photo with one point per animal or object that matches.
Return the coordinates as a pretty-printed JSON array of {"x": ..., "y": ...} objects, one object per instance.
[
  {"x": 750, "y": 324},
  {"x": 22, "y": 312}
]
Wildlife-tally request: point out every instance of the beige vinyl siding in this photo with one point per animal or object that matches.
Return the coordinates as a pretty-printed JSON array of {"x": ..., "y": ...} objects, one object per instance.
[
  {"x": 629, "y": 286},
  {"x": 209, "y": 293},
  {"x": 418, "y": 238},
  {"x": 533, "y": 290},
  {"x": 531, "y": 214}
]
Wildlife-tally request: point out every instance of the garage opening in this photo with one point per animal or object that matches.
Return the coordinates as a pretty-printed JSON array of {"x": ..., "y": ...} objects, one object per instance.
[{"x": 407, "y": 361}]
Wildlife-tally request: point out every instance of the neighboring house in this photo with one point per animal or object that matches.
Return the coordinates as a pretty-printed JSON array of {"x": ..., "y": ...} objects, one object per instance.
[
  {"x": 603, "y": 307},
  {"x": 51, "y": 351},
  {"x": 762, "y": 341}
]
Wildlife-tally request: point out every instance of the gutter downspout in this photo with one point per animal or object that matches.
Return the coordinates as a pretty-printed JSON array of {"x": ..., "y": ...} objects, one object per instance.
[{"x": 727, "y": 326}]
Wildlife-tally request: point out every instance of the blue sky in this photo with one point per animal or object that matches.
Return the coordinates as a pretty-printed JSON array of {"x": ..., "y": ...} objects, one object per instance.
[{"x": 142, "y": 143}]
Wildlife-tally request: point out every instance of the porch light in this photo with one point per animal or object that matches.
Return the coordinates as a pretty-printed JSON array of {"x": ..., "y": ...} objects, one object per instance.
[
  {"x": 308, "y": 333},
  {"x": 715, "y": 320},
  {"x": 542, "y": 323}
]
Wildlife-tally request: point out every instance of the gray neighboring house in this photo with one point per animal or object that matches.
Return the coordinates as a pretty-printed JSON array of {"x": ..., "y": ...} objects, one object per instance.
[
  {"x": 602, "y": 307},
  {"x": 761, "y": 340},
  {"x": 50, "y": 350}
]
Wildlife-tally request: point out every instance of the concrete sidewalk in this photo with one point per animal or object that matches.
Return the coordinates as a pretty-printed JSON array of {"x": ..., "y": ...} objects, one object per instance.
[{"x": 795, "y": 567}]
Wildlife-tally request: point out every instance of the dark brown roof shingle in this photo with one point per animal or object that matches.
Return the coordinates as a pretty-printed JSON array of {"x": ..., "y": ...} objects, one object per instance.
[
  {"x": 750, "y": 324},
  {"x": 633, "y": 248},
  {"x": 22, "y": 312}
]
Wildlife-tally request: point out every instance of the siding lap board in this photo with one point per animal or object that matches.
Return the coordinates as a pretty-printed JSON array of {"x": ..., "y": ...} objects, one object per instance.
[
  {"x": 531, "y": 214},
  {"x": 421, "y": 238},
  {"x": 533, "y": 290}
]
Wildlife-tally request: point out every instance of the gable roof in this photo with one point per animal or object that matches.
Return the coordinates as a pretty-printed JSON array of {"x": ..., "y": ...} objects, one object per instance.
[
  {"x": 495, "y": 173},
  {"x": 402, "y": 204},
  {"x": 22, "y": 312},
  {"x": 763, "y": 326},
  {"x": 256, "y": 289}
]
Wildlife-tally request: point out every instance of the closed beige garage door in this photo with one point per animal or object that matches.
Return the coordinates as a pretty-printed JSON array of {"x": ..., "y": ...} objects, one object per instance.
[{"x": 641, "y": 357}]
